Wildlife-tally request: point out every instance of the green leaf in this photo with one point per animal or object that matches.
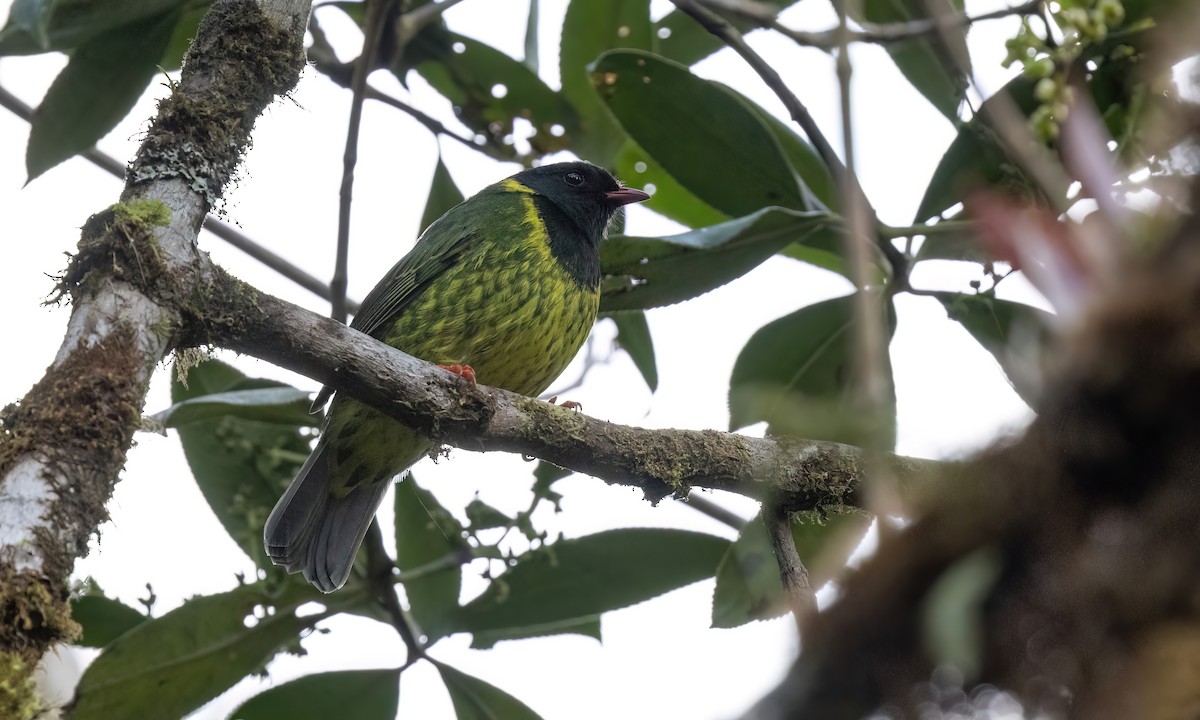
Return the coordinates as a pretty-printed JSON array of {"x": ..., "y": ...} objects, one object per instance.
[
  {"x": 961, "y": 243},
  {"x": 633, "y": 336},
  {"x": 488, "y": 89},
  {"x": 670, "y": 199},
  {"x": 182, "y": 35},
  {"x": 797, "y": 374},
  {"x": 241, "y": 465},
  {"x": 748, "y": 586},
  {"x": 657, "y": 102},
  {"x": 589, "y": 29},
  {"x": 587, "y": 627},
  {"x": 443, "y": 195},
  {"x": 556, "y": 587},
  {"x": 804, "y": 158},
  {"x": 639, "y": 273},
  {"x": 684, "y": 40},
  {"x": 358, "y": 694},
  {"x": 285, "y": 404},
  {"x": 976, "y": 157},
  {"x": 37, "y": 26},
  {"x": 103, "y": 619},
  {"x": 544, "y": 476},
  {"x": 475, "y": 699},
  {"x": 924, "y": 60},
  {"x": 1015, "y": 334},
  {"x": 426, "y": 532},
  {"x": 168, "y": 666},
  {"x": 99, "y": 86},
  {"x": 954, "y": 617},
  {"x": 484, "y": 517}
]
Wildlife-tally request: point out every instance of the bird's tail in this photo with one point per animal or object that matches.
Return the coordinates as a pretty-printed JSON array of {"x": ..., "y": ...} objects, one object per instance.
[{"x": 313, "y": 531}]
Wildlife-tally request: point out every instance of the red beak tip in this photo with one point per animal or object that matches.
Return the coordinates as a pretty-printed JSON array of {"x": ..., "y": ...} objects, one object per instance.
[{"x": 625, "y": 196}]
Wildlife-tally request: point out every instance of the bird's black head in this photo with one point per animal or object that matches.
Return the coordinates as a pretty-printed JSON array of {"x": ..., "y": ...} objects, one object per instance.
[{"x": 587, "y": 195}]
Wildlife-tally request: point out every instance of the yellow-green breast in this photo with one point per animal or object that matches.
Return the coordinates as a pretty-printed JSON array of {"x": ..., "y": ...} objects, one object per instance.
[{"x": 507, "y": 307}]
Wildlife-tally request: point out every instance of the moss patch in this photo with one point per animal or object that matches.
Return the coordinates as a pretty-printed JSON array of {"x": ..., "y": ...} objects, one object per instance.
[
  {"x": 18, "y": 694},
  {"x": 238, "y": 63},
  {"x": 80, "y": 419},
  {"x": 120, "y": 243}
]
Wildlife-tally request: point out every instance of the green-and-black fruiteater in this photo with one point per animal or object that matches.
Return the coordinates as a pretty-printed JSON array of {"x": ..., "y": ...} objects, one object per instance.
[{"x": 506, "y": 283}]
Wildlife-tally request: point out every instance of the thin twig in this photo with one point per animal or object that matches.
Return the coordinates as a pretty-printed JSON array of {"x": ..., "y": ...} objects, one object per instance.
[
  {"x": 415, "y": 21},
  {"x": 766, "y": 16},
  {"x": 377, "y": 11},
  {"x": 730, "y": 35},
  {"x": 531, "y": 37},
  {"x": 322, "y": 58},
  {"x": 714, "y": 510},
  {"x": 381, "y": 579},
  {"x": 792, "y": 573},
  {"x": 212, "y": 223}
]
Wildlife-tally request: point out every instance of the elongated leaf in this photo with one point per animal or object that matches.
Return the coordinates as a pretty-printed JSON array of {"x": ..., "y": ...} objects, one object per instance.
[
  {"x": 358, "y": 694},
  {"x": 587, "y": 627},
  {"x": 633, "y": 335},
  {"x": 103, "y": 619},
  {"x": 959, "y": 244},
  {"x": 169, "y": 666},
  {"x": 1015, "y": 334},
  {"x": 748, "y": 585},
  {"x": 104, "y": 78},
  {"x": 443, "y": 195},
  {"x": 37, "y": 26},
  {"x": 804, "y": 159},
  {"x": 241, "y": 465},
  {"x": 641, "y": 273},
  {"x": 489, "y": 89},
  {"x": 589, "y": 29},
  {"x": 668, "y": 198},
  {"x": 426, "y": 532},
  {"x": 284, "y": 404},
  {"x": 475, "y": 699},
  {"x": 796, "y": 373},
  {"x": 684, "y": 40},
  {"x": 976, "y": 157},
  {"x": 924, "y": 60},
  {"x": 559, "y": 586},
  {"x": 657, "y": 102},
  {"x": 182, "y": 36}
]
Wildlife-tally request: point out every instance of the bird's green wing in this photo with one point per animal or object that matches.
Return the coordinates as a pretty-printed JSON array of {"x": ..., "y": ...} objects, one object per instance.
[
  {"x": 438, "y": 249},
  {"x": 442, "y": 245}
]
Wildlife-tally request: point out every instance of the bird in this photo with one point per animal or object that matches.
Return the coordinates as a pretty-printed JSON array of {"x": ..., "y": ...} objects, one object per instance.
[{"x": 502, "y": 289}]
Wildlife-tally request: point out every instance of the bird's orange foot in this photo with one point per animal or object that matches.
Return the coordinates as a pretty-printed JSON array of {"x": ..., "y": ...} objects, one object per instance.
[
  {"x": 466, "y": 372},
  {"x": 568, "y": 404}
]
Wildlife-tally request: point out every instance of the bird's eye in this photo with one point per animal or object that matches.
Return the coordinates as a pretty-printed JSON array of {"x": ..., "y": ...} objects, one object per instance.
[{"x": 574, "y": 179}]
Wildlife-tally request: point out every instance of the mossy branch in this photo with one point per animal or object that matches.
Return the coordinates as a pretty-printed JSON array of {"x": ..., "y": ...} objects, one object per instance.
[{"x": 797, "y": 474}]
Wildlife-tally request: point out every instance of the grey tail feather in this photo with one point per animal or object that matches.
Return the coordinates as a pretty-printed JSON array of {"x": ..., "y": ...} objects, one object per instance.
[
  {"x": 339, "y": 533},
  {"x": 298, "y": 512},
  {"x": 313, "y": 531}
]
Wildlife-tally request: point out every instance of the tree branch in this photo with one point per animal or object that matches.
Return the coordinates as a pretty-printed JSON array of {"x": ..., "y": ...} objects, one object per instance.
[
  {"x": 65, "y": 442},
  {"x": 802, "y": 474},
  {"x": 377, "y": 10},
  {"x": 212, "y": 223},
  {"x": 792, "y": 573}
]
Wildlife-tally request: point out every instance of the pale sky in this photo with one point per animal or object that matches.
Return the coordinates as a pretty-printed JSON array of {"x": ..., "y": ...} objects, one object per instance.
[{"x": 658, "y": 659}]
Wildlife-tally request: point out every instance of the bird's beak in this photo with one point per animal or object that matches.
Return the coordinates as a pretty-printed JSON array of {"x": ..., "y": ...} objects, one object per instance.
[{"x": 624, "y": 196}]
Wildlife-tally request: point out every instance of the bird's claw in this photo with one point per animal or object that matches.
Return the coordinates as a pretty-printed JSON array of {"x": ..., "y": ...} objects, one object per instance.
[
  {"x": 466, "y": 372},
  {"x": 568, "y": 404}
]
